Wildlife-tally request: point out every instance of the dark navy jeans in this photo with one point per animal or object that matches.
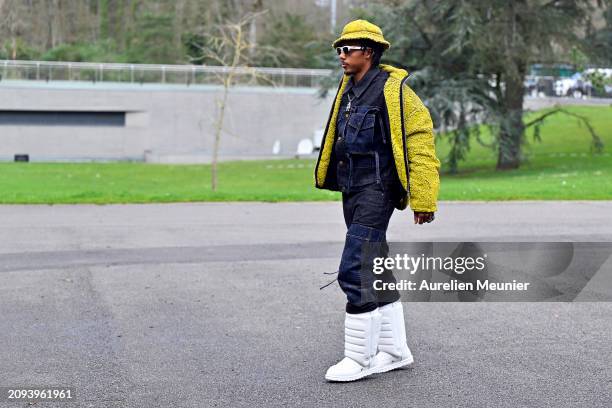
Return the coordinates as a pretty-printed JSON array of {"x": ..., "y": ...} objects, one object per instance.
[{"x": 367, "y": 212}]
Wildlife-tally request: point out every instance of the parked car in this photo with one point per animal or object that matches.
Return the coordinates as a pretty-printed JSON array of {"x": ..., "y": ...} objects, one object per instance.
[{"x": 575, "y": 86}]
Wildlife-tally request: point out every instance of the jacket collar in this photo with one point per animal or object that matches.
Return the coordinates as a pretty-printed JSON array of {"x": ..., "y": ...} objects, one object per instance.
[
  {"x": 397, "y": 73},
  {"x": 359, "y": 87}
]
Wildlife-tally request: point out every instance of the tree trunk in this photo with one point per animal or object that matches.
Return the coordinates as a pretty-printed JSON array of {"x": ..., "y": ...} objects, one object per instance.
[{"x": 512, "y": 127}]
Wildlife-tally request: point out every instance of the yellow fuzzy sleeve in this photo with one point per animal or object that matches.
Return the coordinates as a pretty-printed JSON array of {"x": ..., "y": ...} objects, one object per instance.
[{"x": 423, "y": 163}]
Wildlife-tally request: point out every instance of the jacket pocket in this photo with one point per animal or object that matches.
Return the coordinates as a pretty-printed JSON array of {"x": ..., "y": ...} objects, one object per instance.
[{"x": 360, "y": 130}]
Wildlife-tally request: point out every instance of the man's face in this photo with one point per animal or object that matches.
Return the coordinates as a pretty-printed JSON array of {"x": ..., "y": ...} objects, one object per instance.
[{"x": 356, "y": 60}]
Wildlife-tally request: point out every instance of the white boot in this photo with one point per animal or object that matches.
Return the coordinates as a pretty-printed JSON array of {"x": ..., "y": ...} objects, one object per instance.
[
  {"x": 393, "y": 351},
  {"x": 360, "y": 338}
]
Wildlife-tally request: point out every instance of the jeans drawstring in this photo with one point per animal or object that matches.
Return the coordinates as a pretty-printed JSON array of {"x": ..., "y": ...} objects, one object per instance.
[{"x": 329, "y": 273}]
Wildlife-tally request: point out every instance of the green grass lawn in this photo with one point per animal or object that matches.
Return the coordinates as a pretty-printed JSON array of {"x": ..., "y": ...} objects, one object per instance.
[{"x": 560, "y": 167}]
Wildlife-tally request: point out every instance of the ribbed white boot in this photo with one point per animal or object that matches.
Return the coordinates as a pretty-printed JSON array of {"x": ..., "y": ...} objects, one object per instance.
[
  {"x": 393, "y": 351},
  {"x": 360, "y": 338}
]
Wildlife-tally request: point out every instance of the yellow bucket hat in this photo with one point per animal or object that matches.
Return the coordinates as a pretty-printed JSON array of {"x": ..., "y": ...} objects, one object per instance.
[{"x": 362, "y": 30}]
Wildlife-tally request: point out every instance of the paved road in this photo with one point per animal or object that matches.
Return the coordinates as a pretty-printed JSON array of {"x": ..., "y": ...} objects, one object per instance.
[{"x": 214, "y": 304}]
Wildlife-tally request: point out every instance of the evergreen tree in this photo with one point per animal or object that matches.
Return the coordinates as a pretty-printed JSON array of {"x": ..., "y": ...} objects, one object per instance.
[{"x": 470, "y": 59}]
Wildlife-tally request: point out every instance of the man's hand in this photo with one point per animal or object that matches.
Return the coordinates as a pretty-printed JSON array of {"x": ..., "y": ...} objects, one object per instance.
[{"x": 421, "y": 217}]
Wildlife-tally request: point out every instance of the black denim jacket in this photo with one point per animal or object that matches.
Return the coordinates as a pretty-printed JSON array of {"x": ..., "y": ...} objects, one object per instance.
[{"x": 367, "y": 92}]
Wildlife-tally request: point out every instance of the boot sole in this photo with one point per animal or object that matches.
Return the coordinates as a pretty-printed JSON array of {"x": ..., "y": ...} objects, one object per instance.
[
  {"x": 394, "y": 366},
  {"x": 354, "y": 377}
]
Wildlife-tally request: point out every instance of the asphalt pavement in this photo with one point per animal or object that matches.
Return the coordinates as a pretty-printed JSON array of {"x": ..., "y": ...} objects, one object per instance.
[{"x": 218, "y": 305}]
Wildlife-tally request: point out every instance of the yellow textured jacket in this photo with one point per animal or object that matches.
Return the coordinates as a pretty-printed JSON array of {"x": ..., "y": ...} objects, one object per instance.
[{"x": 412, "y": 142}]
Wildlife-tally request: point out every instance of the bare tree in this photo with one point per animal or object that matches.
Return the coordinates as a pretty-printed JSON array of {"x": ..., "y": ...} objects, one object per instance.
[
  {"x": 229, "y": 45},
  {"x": 13, "y": 23}
]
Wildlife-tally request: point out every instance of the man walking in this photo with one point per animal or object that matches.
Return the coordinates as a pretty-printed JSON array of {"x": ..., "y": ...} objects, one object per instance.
[{"x": 378, "y": 150}]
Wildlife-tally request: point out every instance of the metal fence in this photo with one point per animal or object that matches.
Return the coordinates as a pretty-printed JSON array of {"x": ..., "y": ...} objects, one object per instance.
[{"x": 159, "y": 74}]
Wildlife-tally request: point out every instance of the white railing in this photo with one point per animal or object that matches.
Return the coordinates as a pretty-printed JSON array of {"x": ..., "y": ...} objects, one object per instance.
[{"x": 158, "y": 74}]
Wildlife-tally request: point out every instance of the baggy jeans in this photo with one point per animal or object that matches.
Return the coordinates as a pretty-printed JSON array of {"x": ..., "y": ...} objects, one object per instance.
[{"x": 367, "y": 212}]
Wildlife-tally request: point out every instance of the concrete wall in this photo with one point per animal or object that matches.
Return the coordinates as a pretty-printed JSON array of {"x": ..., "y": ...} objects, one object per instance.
[
  {"x": 163, "y": 123},
  {"x": 169, "y": 123}
]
